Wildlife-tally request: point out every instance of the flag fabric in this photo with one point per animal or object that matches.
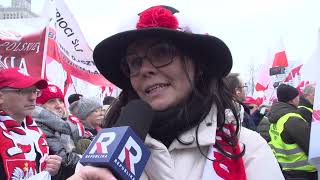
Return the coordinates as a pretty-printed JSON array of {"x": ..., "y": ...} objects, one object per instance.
[
  {"x": 314, "y": 145},
  {"x": 280, "y": 59},
  {"x": 276, "y": 58},
  {"x": 67, "y": 45},
  {"x": 22, "y": 44},
  {"x": 302, "y": 85},
  {"x": 310, "y": 73},
  {"x": 67, "y": 83},
  {"x": 293, "y": 73},
  {"x": 69, "y": 59},
  {"x": 264, "y": 78}
]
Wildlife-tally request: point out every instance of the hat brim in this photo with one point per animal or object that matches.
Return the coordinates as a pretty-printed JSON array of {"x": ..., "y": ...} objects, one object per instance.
[
  {"x": 208, "y": 50},
  {"x": 28, "y": 82}
]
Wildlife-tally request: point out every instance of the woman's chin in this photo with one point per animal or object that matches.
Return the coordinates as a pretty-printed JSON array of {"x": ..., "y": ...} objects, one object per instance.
[{"x": 160, "y": 105}]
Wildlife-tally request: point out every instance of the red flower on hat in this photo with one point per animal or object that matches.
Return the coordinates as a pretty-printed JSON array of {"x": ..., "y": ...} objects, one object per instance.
[{"x": 157, "y": 16}]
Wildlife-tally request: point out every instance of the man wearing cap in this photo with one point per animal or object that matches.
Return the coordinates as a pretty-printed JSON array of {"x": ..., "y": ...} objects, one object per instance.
[
  {"x": 62, "y": 132},
  {"x": 24, "y": 151},
  {"x": 290, "y": 135}
]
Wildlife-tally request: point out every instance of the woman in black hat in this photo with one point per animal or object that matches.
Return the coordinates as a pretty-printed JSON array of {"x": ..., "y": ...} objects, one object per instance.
[{"x": 196, "y": 132}]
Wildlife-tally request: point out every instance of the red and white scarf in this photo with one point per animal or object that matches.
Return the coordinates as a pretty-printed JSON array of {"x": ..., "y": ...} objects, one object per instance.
[
  {"x": 19, "y": 147},
  {"x": 224, "y": 167},
  {"x": 75, "y": 120}
]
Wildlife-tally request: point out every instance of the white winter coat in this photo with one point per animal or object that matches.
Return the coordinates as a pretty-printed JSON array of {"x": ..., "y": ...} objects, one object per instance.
[{"x": 185, "y": 162}]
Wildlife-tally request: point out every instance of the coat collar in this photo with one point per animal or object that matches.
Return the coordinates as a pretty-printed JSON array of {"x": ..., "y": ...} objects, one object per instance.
[{"x": 206, "y": 134}]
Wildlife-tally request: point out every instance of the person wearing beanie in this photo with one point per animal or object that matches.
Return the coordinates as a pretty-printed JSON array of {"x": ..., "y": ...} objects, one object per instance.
[
  {"x": 288, "y": 94},
  {"x": 290, "y": 132},
  {"x": 62, "y": 131},
  {"x": 107, "y": 101},
  {"x": 74, "y": 97},
  {"x": 73, "y": 108},
  {"x": 91, "y": 113},
  {"x": 52, "y": 99},
  {"x": 73, "y": 103}
]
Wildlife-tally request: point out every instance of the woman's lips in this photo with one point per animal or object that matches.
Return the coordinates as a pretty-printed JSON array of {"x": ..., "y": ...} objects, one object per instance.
[{"x": 156, "y": 87}]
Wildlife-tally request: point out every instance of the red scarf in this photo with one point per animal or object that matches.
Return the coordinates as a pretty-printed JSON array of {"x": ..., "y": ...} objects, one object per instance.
[
  {"x": 19, "y": 147},
  {"x": 223, "y": 167},
  {"x": 75, "y": 120}
]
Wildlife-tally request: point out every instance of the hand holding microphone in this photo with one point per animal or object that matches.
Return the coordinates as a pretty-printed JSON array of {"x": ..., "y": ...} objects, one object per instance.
[
  {"x": 121, "y": 148},
  {"x": 92, "y": 173}
]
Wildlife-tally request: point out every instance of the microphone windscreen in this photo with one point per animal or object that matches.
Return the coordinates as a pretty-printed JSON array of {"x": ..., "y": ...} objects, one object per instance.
[
  {"x": 82, "y": 145},
  {"x": 138, "y": 115}
]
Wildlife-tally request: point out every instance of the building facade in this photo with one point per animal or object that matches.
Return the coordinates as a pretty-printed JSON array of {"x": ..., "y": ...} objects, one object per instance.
[{"x": 19, "y": 9}]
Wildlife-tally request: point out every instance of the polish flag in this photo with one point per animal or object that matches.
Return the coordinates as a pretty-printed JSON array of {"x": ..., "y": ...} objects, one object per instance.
[
  {"x": 302, "y": 85},
  {"x": 280, "y": 57},
  {"x": 263, "y": 75},
  {"x": 293, "y": 73},
  {"x": 275, "y": 58}
]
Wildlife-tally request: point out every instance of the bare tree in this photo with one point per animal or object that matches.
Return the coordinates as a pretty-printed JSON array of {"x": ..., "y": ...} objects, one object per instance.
[{"x": 252, "y": 73}]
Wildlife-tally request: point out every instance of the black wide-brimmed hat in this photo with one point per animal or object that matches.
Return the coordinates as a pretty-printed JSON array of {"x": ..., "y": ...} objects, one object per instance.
[{"x": 162, "y": 22}]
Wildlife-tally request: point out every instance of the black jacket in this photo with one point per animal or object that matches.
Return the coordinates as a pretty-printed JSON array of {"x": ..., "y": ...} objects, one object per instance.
[
  {"x": 263, "y": 128},
  {"x": 296, "y": 130},
  {"x": 305, "y": 113},
  {"x": 248, "y": 121}
]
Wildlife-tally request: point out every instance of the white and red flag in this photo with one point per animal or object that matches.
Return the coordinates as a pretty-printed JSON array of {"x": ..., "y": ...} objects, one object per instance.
[
  {"x": 22, "y": 44},
  {"x": 264, "y": 87},
  {"x": 67, "y": 45}
]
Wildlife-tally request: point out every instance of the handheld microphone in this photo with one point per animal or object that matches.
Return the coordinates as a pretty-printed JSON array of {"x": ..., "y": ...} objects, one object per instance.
[{"x": 121, "y": 148}]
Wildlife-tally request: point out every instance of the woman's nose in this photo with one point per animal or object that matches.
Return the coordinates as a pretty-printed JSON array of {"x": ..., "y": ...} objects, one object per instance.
[{"x": 147, "y": 68}]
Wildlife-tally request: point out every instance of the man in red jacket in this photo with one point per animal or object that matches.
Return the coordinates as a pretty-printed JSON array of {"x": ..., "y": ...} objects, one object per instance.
[{"x": 24, "y": 150}]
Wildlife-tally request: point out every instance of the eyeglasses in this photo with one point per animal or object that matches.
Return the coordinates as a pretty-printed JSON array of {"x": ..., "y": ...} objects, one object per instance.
[
  {"x": 159, "y": 54},
  {"x": 26, "y": 91},
  {"x": 243, "y": 87}
]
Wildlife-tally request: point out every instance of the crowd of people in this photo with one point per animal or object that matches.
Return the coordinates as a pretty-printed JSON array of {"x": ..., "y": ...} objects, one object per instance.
[{"x": 204, "y": 126}]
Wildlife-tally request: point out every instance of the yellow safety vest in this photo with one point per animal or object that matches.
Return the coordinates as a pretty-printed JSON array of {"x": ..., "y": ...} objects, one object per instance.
[
  {"x": 309, "y": 109},
  {"x": 290, "y": 156}
]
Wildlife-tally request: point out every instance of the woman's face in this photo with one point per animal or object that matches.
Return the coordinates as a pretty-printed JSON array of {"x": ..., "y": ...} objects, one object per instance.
[
  {"x": 95, "y": 118},
  {"x": 161, "y": 86}
]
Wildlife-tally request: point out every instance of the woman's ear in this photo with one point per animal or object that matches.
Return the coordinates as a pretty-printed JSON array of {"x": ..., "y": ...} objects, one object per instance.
[{"x": 238, "y": 92}]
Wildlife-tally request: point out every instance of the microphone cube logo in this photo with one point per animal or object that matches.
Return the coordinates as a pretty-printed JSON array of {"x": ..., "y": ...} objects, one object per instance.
[
  {"x": 132, "y": 157},
  {"x": 102, "y": 147},
  {"x": 131, "y": 154},
  {"x": 102, "y": 143},
  {"x": 120, "y": 150}
]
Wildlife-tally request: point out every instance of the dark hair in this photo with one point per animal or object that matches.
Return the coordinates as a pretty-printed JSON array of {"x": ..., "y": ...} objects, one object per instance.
[
  {"x": 232, "y": 81},
  {"x": 214, "y": 90},
  {"x": 108, "y": 100},
  {"x": 74, "y": 97}
]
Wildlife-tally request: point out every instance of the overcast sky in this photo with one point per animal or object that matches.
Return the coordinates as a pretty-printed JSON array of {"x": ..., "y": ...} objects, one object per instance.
[{"x": 251, "y": 28}]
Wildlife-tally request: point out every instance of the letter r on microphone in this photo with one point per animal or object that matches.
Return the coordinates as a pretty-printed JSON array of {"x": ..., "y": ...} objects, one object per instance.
[
  {"x": 130, "y": 154},
  {"x": 120, "y": 150},
  {"x": 102, "y": 143}
]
